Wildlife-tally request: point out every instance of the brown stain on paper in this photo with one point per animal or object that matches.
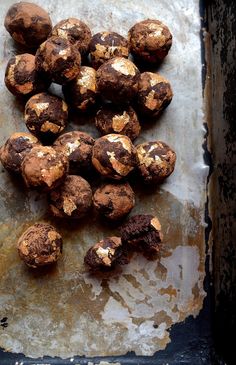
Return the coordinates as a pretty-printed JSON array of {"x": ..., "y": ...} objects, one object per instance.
[{"x": 72, "y": 307}]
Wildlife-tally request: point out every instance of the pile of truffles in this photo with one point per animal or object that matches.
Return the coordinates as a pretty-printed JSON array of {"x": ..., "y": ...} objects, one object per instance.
[{"x": 97, "y": 77}]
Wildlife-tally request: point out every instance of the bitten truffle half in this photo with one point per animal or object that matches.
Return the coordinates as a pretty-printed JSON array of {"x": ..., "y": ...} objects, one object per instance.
[
  {"x": 40, "y": 245},
  {"x": 15, "y": 149},
  {"x": 75, "y": 31},
  {"x": 154, "y": 94},
  {"x": 44, "y": 168},
  {"x": 104, "y": 254},
  {"x": 117, "y": 80},
  {"x": 106, "y": 45},
  {"x": 21, "y": 77},
  {"x": 114, "y": 156},
  {"x": 58, "y": 59},
  {"x": 81, "y": 92},
  {"x": 72, "y": 199},
  {"x": 28, "y": 24},
  {"x": 142, "y": 232},
  {"x": 114, "y": 201},
  {"x": 78, "y": 148},
  {"x": 114, "y": 119},
  {"x": 156, "y": 161},
  {"x": 46, "y": 115},
  {"x": 150, "y": 40}
]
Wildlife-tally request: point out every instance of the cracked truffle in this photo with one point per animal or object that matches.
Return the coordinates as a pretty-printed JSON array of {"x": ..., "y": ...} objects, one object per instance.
[
  {"x": 21, "y": 77},
  {"x": 110, "y": 119},
  {"x": 59, "y": 59},
  {"x": 114, "y": 156},
  {"x": 40, "y": 245},
  {"x": 106, "y": 45},
  {"x": 46, "y": 115},
  {"x": 44, "y": 167},
  {"x": 28, "y": 24},
  {"x": 154, "y": 94},
  {"x": 142, "y": 233},
  {"x": 15, "y": 149},
  {"x": 81, "y": 92},
  {"x": 78, "y": 147},
  {"x": 114, "y": 201},
  {"x": 75, "y": 31},
  {"x": 150, "y": 40},
  {"x": 72, "y": 199},
  {"x": 156, "y": 161},
  {"x": 117, "y": 80},
  {"x": 104, "y": 254}
]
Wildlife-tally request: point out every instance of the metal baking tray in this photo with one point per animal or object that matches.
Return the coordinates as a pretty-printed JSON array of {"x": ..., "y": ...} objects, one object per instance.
[{"x": 171, "y": 311}]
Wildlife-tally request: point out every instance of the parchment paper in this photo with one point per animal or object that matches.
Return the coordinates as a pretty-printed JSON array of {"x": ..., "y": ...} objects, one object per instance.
[{"x": 66, "y": 311}]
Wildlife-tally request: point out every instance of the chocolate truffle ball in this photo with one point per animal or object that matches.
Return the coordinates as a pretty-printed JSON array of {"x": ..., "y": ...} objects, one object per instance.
[
  {"x": 21, "y": 77},
  {"x": 75, "y": 31},
  {"x": 72, "y": 199},
  {"x": 114, "y": 201},
  {"x": 15, "y": 149},
  {"x": 46, "y": 115},
  {"x": 111, "y": 119},
  {"x": 117, "y": 80},
  {"x": 106, "y": 45},
  {"x": 81, "y": 92},
  {"x": 104, "y": 254},
  {"x": 154, "y": 94},
  {"x": 156, "y": 161},
  {"x": 78, "y": 148},
  {"x": 114, "y": 156},
  {"x": 150, "y": 40},
  {"x": 59, "y": 59},
  {"x": 40, "y": 245},
  {"x": 28, "y": 24},
  {"x": 44, "y": 168},
  {"x": 142, "y": 233}
]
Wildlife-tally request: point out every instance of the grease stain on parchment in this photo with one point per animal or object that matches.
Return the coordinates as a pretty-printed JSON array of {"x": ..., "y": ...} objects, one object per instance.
[{"x": 66, "y": 311}]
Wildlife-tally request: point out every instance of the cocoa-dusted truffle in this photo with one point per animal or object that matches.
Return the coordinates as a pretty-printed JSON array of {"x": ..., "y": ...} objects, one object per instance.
[
  {"x": 112, "y": 119},
  {"x": 106, "y": 45},
  {"x": 46, "y": 115},
  {"x": 40, "y": 245},
  {"x": 114, "y": 156},
  {"x": 142, "y": 233},
  {"x": 59, "y": 59},
  {"x": 44, "y": 167},
  {"x": 15, "y": 149},
  {"x": 150, "y": 40},
  {"x": 28, "y": 24},
  {"x": 154, "y": 94},
  {"x": 21, "y": 77},
  {"x": 75, "y": 31},
  {"x": 78, "y": 147},
  {"x": 104, "y": 254},
  {"x": 81, "y": 92},
  {"x": 114, "y": 201},
  {"x": 117, "y": 80},
  {"x": 156, "y": 161},
  {"x": 72, "y": 199}
]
